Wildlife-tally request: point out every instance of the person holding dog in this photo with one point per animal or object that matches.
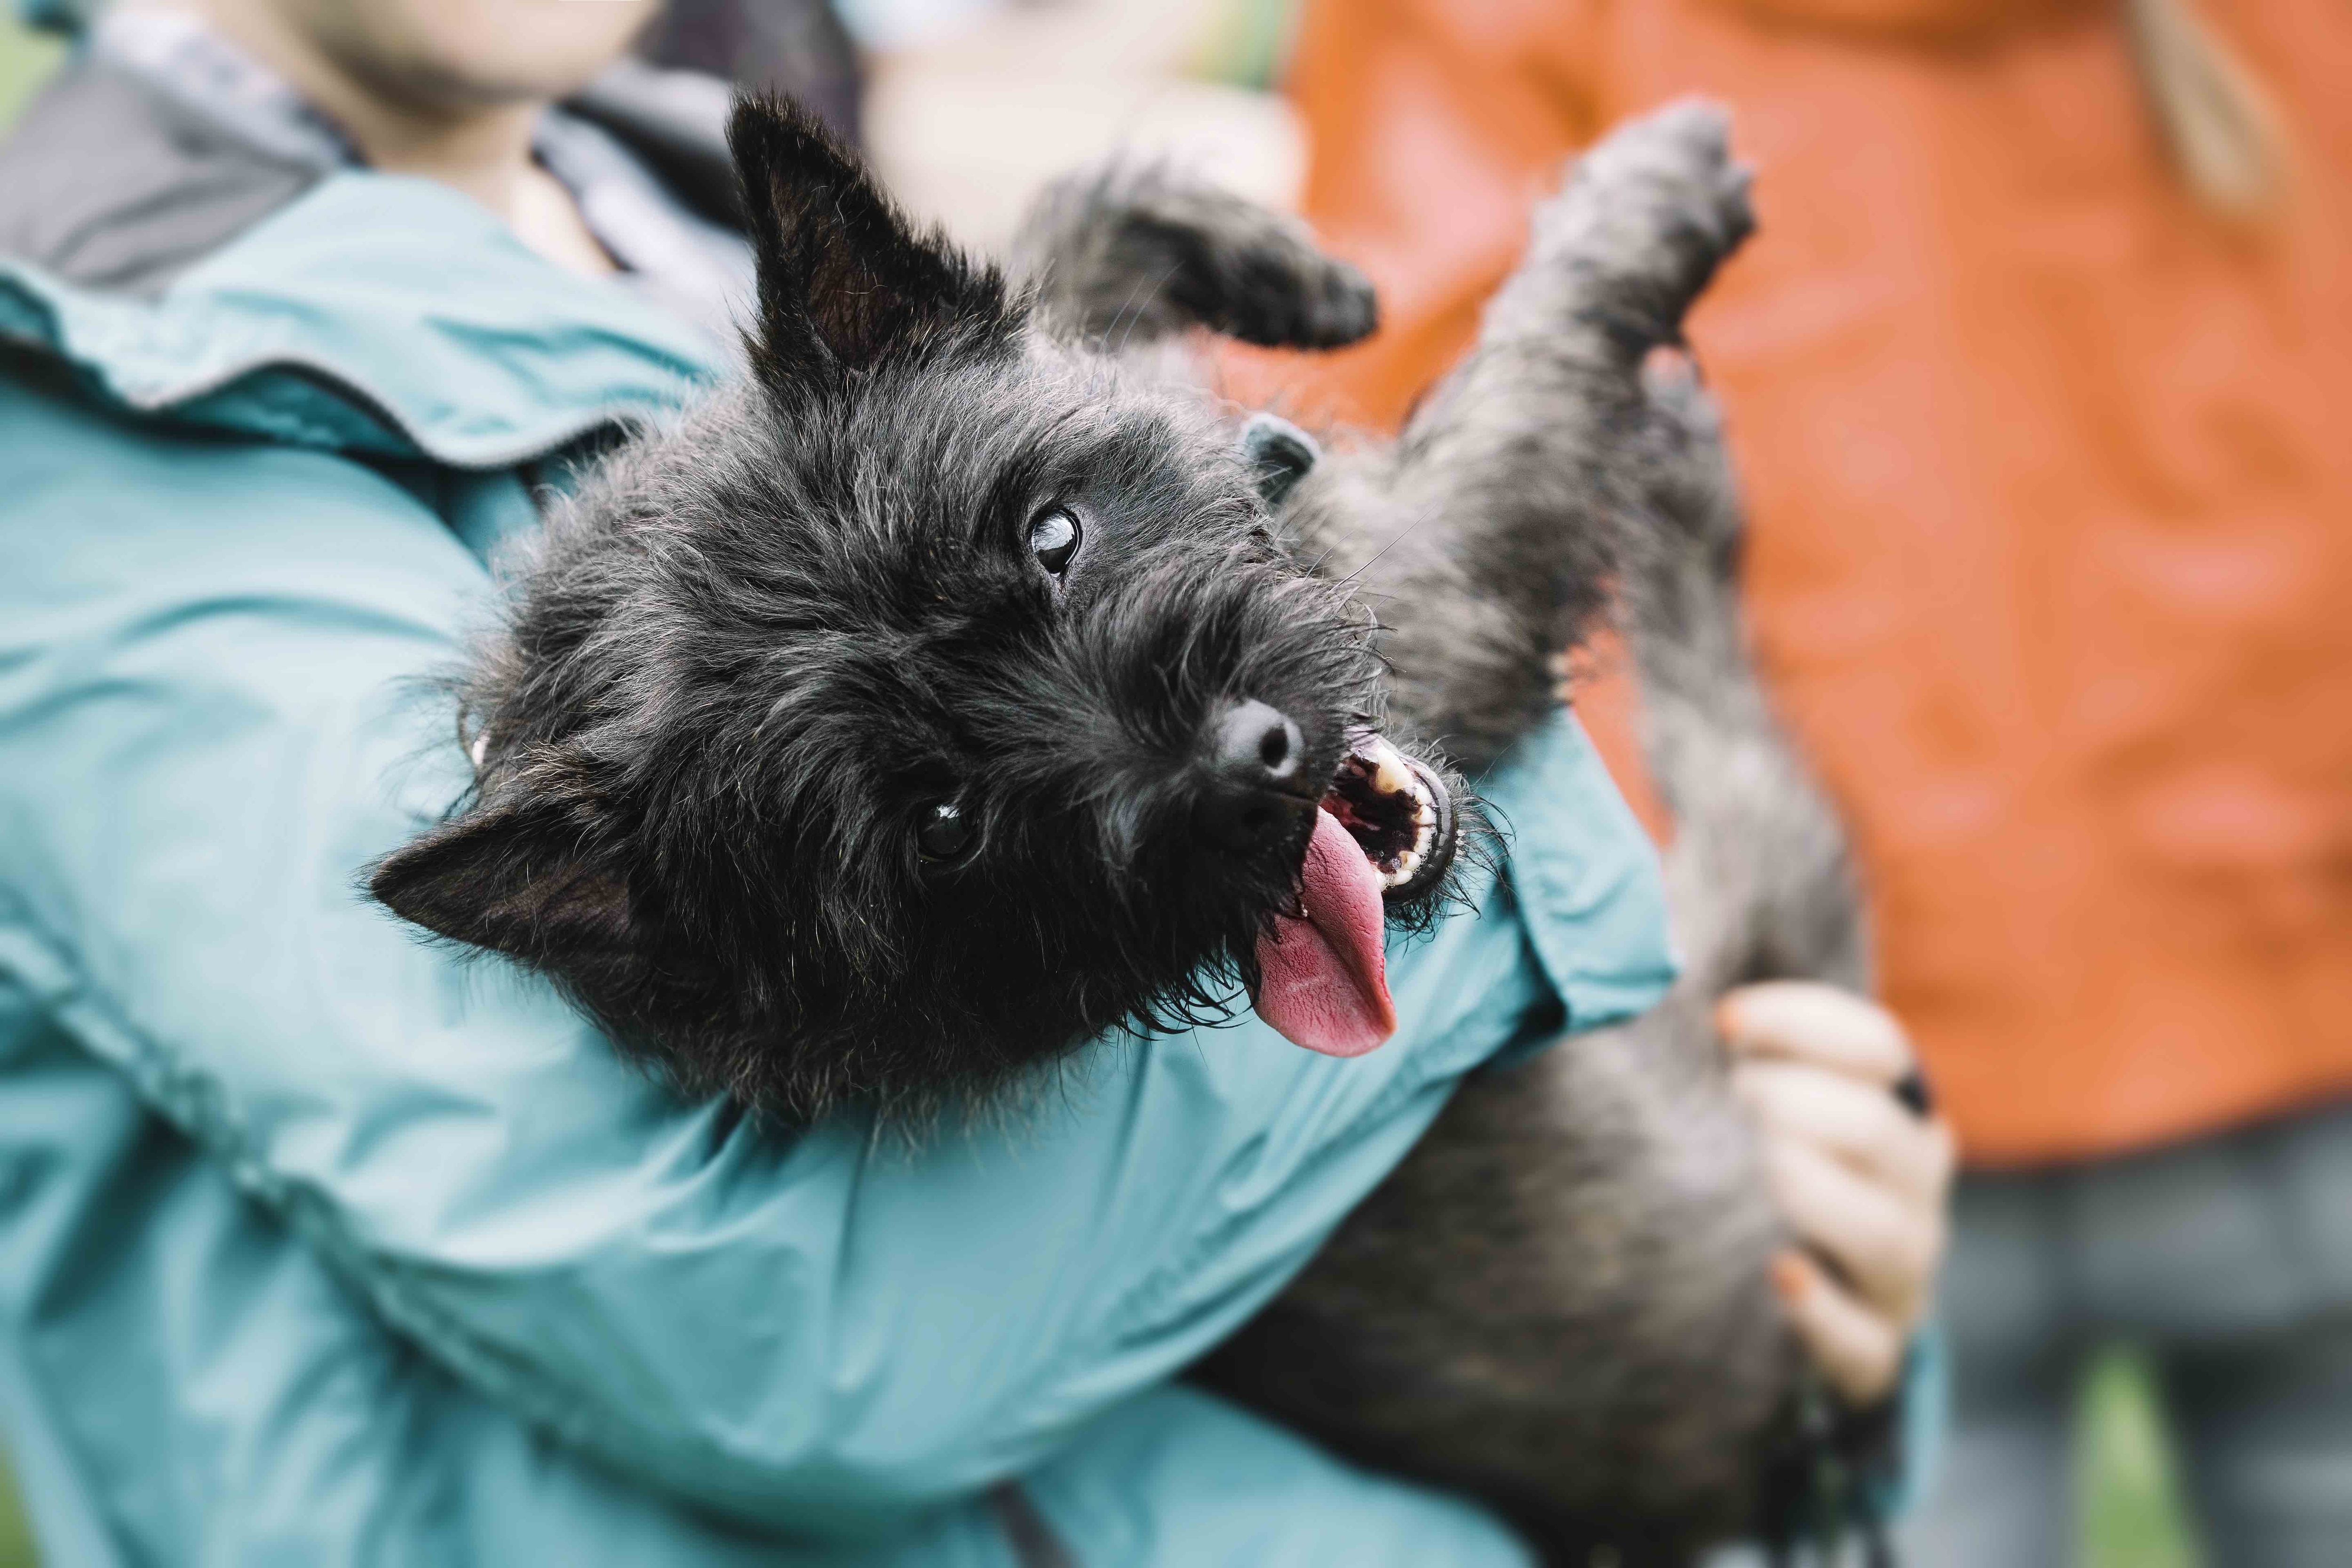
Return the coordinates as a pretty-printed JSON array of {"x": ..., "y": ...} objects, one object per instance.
[
  {"x": 2033, "y": 373},
  {"x": 323, "y": 1246}
]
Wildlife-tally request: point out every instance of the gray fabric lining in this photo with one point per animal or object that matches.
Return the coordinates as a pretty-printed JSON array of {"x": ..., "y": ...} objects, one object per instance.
[
  {"x": 177, "y": 55},
  {"x": 677, "y": 122},
  {"x": 110, "y": 184},
  {"x": 679, "y": 261}
]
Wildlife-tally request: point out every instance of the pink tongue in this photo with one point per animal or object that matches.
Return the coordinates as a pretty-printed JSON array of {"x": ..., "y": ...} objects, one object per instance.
[{"x": 1323, "y": 982}]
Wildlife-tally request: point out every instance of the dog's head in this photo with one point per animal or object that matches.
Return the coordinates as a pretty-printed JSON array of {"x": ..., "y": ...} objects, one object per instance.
[{"x": 931, "y": 702}]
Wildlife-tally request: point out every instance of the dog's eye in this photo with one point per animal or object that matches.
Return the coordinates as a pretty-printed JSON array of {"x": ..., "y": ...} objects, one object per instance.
[
  {"x": 1053, "y": 538},
  {"x": 944, "y": 833}
]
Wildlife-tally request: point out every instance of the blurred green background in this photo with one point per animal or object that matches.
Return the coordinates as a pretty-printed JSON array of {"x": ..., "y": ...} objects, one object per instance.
[
  {"x": 2131, "y": 1520},
  {"x": 24, "y": 60}
]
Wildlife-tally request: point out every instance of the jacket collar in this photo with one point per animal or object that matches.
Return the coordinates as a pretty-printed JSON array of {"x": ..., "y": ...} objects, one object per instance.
[
  {"x": 388, "y": 315},
  {"x": 377, "y": 313}
]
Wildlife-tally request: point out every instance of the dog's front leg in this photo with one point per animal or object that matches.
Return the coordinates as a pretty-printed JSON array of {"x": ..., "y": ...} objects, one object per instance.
[{"x": 1492, "y": 532}]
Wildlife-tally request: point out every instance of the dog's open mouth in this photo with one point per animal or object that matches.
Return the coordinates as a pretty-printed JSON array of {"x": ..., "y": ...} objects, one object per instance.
[
  {"x": 1385, "y": 829},
  {"x": 1398, "y": 811}
]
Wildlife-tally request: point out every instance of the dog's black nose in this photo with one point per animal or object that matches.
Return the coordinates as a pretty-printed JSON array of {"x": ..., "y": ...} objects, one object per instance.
[{"x": 1254, "y": 794}]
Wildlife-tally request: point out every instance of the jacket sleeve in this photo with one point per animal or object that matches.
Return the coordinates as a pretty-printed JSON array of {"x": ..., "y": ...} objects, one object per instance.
[
  {"x": 211, "y": 718},
  {"x": 182, "y": 1381}
]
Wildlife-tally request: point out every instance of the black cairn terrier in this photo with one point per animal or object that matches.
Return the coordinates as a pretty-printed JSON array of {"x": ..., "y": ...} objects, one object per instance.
[
  {"x": 951, "y": 691},
  {"x": 944, "y": 696}
]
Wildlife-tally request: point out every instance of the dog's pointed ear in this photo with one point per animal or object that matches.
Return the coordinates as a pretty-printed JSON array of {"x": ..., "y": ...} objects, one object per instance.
[
  {"x": 843, "y": 278},
  {"x": 523, "y": 877},
  {"x": 1280, "y": 455}
]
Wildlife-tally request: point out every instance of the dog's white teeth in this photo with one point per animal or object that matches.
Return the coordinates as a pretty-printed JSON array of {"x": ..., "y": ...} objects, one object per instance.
[
  {"x": 1386, "y": 770},
  {"x": 1383, "y": 798}
]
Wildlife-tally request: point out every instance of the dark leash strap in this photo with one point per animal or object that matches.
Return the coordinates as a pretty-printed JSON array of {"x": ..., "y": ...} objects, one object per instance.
[
  {"x": 1821, "y": 1486},
  {"x": 1877, "y": 1550},
  {"x": 1034, "y": 1542}
]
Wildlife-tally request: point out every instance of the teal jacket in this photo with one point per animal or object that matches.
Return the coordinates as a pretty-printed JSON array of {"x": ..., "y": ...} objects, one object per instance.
[{"x": 319, "y": 1245}]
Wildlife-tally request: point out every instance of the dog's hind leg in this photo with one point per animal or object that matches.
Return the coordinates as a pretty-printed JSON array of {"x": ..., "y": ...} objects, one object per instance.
[
  {"x": 1491, "y": 533},
  {"x": 1761, "y": 881},
  {"x": 1123, "y": 257}
]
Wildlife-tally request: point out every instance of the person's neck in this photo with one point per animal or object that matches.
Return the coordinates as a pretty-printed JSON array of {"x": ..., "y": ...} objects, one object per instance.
[
  {"x": 481, "y": 148},
  {"x": 484, "y": 153}
]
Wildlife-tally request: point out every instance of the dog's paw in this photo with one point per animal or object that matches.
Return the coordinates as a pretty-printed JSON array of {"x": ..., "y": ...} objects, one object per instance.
[
  {"x": 1652, "y": 210},
  {"x": 1287, "y": 294},
  {"x": 1245, "y": 271},
  {"x": 1130, "y": 253}
]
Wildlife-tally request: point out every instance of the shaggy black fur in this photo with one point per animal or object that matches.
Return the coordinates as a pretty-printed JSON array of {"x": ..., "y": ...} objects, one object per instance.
[
  {"x": 758, "y": 651},
  {"x": 762, "y": 651}
]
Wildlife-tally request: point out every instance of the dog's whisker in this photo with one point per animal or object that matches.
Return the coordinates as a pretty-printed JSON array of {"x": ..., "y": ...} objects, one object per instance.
[
  {"x": 1435, "y": 508},
  {"x": 1148, "y": 298}
]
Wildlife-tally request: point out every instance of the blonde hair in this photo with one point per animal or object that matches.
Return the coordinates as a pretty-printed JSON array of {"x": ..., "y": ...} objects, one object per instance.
[{"x": 2224, "y": 132}]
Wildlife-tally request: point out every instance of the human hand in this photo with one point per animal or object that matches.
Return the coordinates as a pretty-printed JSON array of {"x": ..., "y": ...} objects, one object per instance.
[{"x": 1860, "y": 1177}]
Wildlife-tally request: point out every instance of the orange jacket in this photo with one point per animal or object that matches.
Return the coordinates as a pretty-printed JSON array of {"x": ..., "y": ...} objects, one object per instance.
[{"x": 2051, "y": 476}]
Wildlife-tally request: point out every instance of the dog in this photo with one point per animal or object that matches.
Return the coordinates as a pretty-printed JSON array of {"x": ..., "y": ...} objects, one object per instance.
[{"x": 952, "y": 690}]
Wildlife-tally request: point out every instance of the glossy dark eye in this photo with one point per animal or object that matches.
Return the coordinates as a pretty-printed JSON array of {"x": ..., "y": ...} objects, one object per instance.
[
  {"x": 1053, "y": 538},
  {"x": 944, "y": 835}
]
